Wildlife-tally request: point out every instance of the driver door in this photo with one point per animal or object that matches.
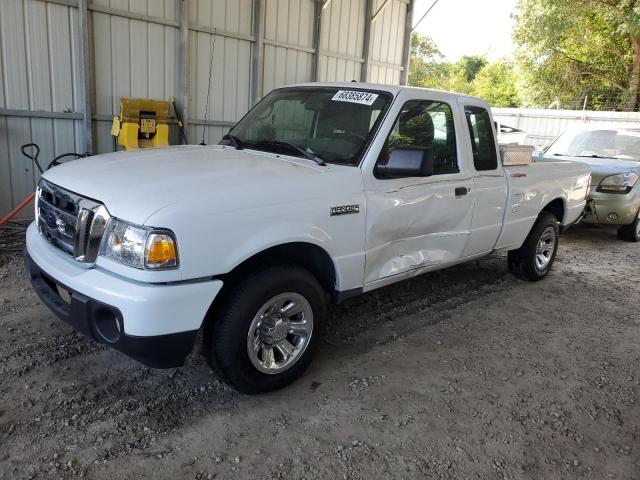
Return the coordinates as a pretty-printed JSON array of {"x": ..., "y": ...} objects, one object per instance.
[{"x": 419, "y": 223}]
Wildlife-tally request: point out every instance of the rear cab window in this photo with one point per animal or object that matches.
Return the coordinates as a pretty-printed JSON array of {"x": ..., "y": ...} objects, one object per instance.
[{"x": 483, "y": 144}]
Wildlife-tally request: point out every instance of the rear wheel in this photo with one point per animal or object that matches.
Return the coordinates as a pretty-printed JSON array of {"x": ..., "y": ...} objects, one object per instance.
[
  {"x": 267, "y": 332},
  {"x": 631, "y": 232},
  {"x": 534, "y": 259}
]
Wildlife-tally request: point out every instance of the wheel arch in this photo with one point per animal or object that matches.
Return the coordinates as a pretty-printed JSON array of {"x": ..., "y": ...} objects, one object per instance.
[
  {"x": 557, "y": 208},
  {"x": 310, "y": 256}
]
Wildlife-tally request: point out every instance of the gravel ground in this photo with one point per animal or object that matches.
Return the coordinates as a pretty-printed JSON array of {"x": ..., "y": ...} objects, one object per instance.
[{"x": 464, "y": 373}]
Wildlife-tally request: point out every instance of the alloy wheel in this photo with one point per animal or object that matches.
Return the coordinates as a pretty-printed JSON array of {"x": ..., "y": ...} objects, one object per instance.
[
  {"x": 545, "y": 247},
  {"x": 280, "y": 333}
]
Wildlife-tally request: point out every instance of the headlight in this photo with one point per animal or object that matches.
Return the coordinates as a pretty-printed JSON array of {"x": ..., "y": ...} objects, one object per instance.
[
  {"x": 621, "y": 183},
  {"x": 139, "y": 247}
]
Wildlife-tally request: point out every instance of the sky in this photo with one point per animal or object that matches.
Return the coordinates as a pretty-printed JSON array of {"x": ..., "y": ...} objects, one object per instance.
[{"x": 468, "y": 27}]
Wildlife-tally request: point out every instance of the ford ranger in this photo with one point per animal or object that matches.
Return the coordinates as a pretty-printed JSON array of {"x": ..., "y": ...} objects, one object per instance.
[{"x": 320, "y": 193}]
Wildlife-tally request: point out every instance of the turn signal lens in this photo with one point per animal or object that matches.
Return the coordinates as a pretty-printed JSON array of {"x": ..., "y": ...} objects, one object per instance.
[
  {"x": 138, "y": 246},
  {"x": 160, "y": 251}
]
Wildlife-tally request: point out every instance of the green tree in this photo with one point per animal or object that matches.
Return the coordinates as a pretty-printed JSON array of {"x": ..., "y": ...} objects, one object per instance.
[
  {"x": 473, "y": 75},
  {"x": 497, "y": 84},
  {"x": 569, "y": 49},
  {"x": 471, "y": 66},
  {"x": 426, "y": 66}
]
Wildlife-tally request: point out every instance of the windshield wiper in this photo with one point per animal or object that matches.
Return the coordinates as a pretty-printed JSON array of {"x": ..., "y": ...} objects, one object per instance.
[
  {"x": 235, "y": 141},
  {"x": 291, "y": 147},
  {"x": 582, "y": 156},
  {"x": 593, "y": 156}
]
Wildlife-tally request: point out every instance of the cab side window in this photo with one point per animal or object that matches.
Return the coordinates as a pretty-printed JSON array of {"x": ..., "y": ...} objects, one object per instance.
[
  {"x": 425, "y": 124},
  {"x": 483, "y": 144}
]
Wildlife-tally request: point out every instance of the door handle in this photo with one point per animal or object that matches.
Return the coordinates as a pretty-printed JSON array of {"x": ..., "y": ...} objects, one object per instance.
[{"x": 460, "y": 191}]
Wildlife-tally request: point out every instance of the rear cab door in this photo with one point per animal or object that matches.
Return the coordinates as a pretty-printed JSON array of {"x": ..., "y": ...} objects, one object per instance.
[
  {"x": 489, "y": 182},
  {"x": 418, "y": 223}
]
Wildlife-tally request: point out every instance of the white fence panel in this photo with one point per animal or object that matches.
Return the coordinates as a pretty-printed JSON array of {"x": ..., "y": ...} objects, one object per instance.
[{"x": 544, "y": 126}]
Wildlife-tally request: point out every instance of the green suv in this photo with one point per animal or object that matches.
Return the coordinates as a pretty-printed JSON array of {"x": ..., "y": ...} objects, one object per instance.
[{"x": 614, "y": 157}]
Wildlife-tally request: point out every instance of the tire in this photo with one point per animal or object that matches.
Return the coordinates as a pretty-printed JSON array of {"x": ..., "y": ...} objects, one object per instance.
[
  {"x": 227, "y": 340},
  {"x": 631, "y": 232},
  {"x": 526, "y": 263}
]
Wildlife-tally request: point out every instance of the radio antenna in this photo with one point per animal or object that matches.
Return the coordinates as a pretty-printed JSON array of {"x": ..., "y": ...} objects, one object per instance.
[{"x": 206, "y": 107}]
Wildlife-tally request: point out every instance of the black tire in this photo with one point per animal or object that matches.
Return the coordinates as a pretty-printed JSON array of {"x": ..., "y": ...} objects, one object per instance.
[
  {"x": 522, "y": 262},
  {"x": 631, "y": 232},
  {"x": 225, "y": 337}
]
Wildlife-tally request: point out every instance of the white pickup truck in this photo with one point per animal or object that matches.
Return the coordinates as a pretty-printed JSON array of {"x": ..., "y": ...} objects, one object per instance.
[{"x": 320, "y": 193}]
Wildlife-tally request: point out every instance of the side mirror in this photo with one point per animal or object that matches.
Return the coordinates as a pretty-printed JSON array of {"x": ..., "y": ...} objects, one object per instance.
[{"x": 407, "y": 162}]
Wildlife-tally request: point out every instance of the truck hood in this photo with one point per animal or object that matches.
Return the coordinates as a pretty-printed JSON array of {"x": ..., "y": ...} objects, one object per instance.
[
  {"x": 602, "y": 167},
  {"x": 134, "y": 185}
]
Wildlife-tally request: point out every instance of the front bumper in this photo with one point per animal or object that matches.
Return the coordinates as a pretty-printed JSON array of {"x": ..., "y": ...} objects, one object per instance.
[
  {"x": 154, "y": 324},
  {"x": 601, "y": 205}
]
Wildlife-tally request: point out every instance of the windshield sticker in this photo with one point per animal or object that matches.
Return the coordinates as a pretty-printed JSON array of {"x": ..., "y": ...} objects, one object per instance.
[{"x": 354, "y": 96}]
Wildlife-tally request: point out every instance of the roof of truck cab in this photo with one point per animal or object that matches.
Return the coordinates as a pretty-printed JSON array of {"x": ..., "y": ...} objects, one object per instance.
[{"x": 393, "y": 89}]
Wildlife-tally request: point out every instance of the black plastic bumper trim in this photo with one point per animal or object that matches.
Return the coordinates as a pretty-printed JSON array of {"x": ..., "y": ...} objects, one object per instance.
[
  {"x": 341, "y": 296},
  {"x": 160, "y": 351}
]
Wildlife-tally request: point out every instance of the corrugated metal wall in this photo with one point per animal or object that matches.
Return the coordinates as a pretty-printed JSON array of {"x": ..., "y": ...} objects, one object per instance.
[
  {"x": 38, "y": 74},
  {"x": 133, "y": 58},
  {"x": 136, "y": 51},
  {"x": 544, "y": 126},
  {"x": 386, "y": 42},
  {"x": 288, "y": 42},
  {"x": 230, "y": 77},
  {"x": 342, "y": 41}
]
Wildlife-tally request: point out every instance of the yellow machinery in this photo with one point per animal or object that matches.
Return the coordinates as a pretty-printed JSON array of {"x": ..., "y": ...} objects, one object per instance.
[{"x": 142, "y": 123}]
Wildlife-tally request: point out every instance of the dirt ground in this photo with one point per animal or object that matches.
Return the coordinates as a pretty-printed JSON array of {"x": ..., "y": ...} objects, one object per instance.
[{"x": 464, "y": 373}]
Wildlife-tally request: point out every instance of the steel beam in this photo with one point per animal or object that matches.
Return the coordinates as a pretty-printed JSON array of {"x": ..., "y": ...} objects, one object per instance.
[
  {"x": 366, "y": 50},
  {"x": 211, "y": 123},
  {"x": 413, "y": 28},
  {"x": 406, "y": 53},
  {"x": 257, "y": 54},
  {"x": 290, "y": 46},
  {"x": 8, "y": 112},
  {"x": 66, "y": 3},
  {"x": 221, "y": 33},
  {"x": 386, "y": 65},
  {"x": 86, "y": 73},
  {"x": 342, "y": 56},
  {"x": 318, "y": 8},
  {"x": 382, "y": 7},
  {"x": 133, "y": 16},
  {"x": 183, "y": 55}
]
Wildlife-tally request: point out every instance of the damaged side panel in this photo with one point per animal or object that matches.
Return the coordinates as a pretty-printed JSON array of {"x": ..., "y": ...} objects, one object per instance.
[{"x": 416, "y": 226}]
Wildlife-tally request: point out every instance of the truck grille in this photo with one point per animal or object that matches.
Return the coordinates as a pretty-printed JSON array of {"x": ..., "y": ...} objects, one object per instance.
[{"x": 70, "y": 222}]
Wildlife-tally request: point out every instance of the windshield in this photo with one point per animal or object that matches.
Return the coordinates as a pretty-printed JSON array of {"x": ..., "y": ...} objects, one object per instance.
[
  {"x": 321, "y": 123},
  {"x": 612, "y": 143}
]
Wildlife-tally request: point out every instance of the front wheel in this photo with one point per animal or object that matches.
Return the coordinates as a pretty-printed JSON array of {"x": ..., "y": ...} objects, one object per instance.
[
  {"x": 533, "y": 260},
  {"x": 631, "y": 232},
  {"x": 267, "y": 332}
]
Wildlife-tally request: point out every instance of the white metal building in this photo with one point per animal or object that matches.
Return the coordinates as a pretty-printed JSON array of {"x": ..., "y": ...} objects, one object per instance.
[{"x": 64, "y": 64}]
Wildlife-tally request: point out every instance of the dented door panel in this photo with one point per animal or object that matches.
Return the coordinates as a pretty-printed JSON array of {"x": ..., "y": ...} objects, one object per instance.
[{"x": 416, "y": 226}]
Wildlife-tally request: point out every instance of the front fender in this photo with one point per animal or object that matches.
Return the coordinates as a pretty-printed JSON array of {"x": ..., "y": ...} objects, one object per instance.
[{"x": 223, "y": 241}]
